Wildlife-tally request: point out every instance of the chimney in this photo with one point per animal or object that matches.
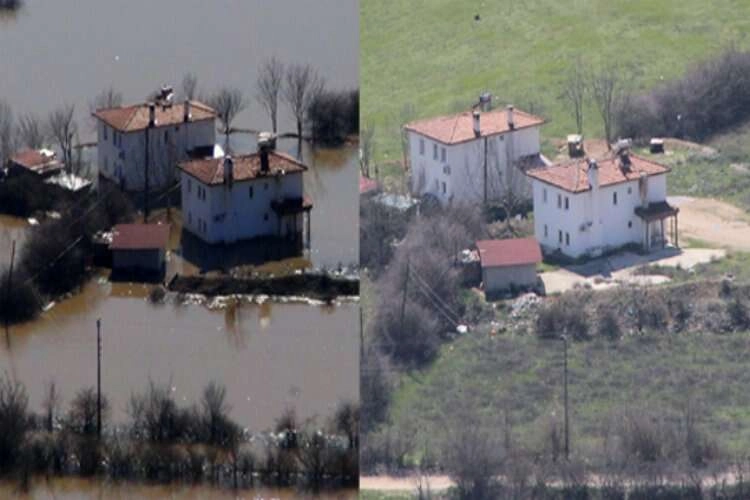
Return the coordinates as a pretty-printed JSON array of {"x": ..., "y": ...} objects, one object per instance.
[
  {"x": 186, "y": 111},
  {"x": 485, "y": 101},
  {"x": 228, "y": 170},
  {"x": 477, "y": 130},
  {"x": 593, "y": 174},
  {"x": 509, "y": 112},
  {"x": 151, "y": 114}
]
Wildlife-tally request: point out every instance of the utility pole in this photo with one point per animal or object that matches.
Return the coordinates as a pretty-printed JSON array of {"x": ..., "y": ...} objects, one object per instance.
[
  {"x": 485, "y": 172},
  {"x": 7, "y": 291},
  {"x": 145, "y": 201},
  {"x": 406, "y": 288},
  {"x": 565, "y": 382},
  {"x": 99, "y": 378}
]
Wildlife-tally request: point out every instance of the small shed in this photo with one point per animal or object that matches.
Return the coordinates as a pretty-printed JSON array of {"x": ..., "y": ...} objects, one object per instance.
[
  {"x": 139, "y": 250},
  {"x": 509, "y": 264},
  {"x": 39, "y": 162}
]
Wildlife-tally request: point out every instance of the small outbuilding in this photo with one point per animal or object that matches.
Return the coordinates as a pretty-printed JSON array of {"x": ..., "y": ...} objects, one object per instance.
[
  {"x": 509, "y": 264},
  {"x": 139, "y": 250},
  {"x": 37, "y": 162}
]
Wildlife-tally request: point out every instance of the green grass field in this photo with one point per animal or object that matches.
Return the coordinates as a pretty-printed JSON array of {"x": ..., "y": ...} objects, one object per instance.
[
  {"x": 422, "y": 59},
  {"x": 523, "y": 375}
]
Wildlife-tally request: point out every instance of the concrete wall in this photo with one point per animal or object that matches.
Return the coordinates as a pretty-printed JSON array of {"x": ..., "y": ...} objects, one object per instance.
[
  {"x": 460, "y": 178},
  {"x": 122, "y": 155},
  {"x": 231, "y": 214},
  {"x": 146, "y": 260},
  {"x": 497, "y": 279}
]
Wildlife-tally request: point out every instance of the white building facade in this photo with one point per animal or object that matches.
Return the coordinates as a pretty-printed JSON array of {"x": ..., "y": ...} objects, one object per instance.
[
  {"x": 464, "y": 158},
  {"x": 166, "y": 132},
  {"x": 225, "y": 200},
  {"x": 586, "y": 208}
]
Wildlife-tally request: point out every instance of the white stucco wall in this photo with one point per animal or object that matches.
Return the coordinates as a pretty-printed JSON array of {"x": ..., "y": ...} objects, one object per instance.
[
  {"x": 231, "y": 214},
  {"x": 593, "y": 223},
  {"x": 497, "y": 279},
  {"x": 460, "y": 178},
  {"x": 167, "y": 145}
]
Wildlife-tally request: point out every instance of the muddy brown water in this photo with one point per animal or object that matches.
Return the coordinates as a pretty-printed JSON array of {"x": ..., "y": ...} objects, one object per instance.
[{"x": 82, "y": 489}]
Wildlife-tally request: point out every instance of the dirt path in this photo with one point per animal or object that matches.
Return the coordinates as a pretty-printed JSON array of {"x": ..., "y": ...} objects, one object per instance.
[{"x": 714, "y": 222}]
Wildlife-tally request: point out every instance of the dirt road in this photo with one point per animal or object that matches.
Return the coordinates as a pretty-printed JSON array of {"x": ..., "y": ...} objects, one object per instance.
[{"x": 714, "y": 222}]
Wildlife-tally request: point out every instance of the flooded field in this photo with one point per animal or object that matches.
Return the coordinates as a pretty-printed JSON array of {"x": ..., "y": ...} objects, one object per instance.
[
  {"x": 78, "y": 489},
  {"x": 270, "y": 356}
]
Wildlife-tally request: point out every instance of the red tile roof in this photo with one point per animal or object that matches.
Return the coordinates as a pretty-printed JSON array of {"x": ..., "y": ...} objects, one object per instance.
[
  {"x": 139, "y": 236},
  {"x": 572, "y": 175},
  {"x": 367, "y": 185},
  {"x": 38, "y": 161},
  {"x": 135, "y": 117},
  {"x": 211, "y": 170},
  {"x": 510, "y": 252},
  {"x": 454, "y": 129}
]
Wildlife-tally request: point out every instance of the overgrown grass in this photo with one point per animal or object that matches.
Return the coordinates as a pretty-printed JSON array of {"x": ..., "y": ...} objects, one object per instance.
[
  {"x": 434, "y": 58},
  {"x": 383, "y": 495},
  {"x": 522, "y": 375}
]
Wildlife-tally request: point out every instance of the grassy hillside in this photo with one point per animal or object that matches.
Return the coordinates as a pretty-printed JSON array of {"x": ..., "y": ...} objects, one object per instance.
[{"x": 426, "y": 58}]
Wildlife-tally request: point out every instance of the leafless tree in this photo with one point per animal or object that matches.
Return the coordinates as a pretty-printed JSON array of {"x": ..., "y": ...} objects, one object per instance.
[
  {"x": 269, "y": 84},
  {"x": 31, "y": 131},
  {"x": 367, "y": 150},
  {"x": 107, "y": 98},
  {"x": 14, "y": 421},
  {"x": 574, "y": 91},
  {"x": 408, "y": 112},
  {"x": 228, "y": 103},
  {"x": 63, "y": 129},
  {"x": 82, "y": 416},
  {"x": 51, "y": 405},
  {"x": 302, "y": 84},
  {"x": 189, "y": 85},
  {"x": 219, "y": 429},
  {"x": 606, "y": 89},
  {"x": 7, "y": 142}
]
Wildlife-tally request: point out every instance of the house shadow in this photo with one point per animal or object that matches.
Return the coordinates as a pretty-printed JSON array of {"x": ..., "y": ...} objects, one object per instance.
[
  {"x": 607, "y": 265},
  {"x": 223, "y": 257}
]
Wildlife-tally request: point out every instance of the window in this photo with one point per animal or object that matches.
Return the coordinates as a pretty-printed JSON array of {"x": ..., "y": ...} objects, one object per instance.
[
  {"x": 434, "y": 151},
  {"x": 630, "y": 223},
  {"x": 567, "y": 239},
  {"x": 265, "y": 216},
  {"x": 114, "y": 137},
  {"x": 567, "y": 203},
  {"x": 190, "y": 219},
  {"x": 189, "y": 185},
  {"x": 559, "y": 201},
  {"x": 444, "y": 188},
  {"x": 421, "y": 147},
  {"x": 105, "y": 128},
  {"x": 250, "y": 191},
  {"x": 442, "y": 155},
  {"x": 265, "y": 186},
  {"x": 106, "y": 164},
  {"x": 559, "y": 236},
  {"x": 614, "y": 198},
  {"x": 630, "y": 190},
  {"x": 544, "y": 195},
  {"x": 545, "y": 230},
  {"x": 166, "y": 137}
]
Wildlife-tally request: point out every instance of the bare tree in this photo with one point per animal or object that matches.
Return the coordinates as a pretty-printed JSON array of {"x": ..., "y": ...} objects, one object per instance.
[
  {"x": 82, "y": 416},
  {"x": 574, "y": 91},
  {"x": 31, "y": 132},
  {"x": 7, "y": 142},
  {"x": 270, "y": 81},
  {"x": 606, "y": 89},
  {"x": 189, "y": 85},
  {"x": 228, "y": 103},
  {"x": 367, "y": 150},
  {"x": 302, "y": 84},
  {"x": 63, "y": 129},
  {"x": 107, "y": 98},
  {"x": 51, "y": 405},
  {"x": 14, "y": 421}
]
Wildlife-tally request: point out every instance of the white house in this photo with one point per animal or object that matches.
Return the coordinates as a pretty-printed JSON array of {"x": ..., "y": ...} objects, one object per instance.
[
  {"x": 164, "y": 131},
  {"x": 228, "y": 199},
  {"x": 464, "y": 158},
  {"x": 586, "y": 207}
]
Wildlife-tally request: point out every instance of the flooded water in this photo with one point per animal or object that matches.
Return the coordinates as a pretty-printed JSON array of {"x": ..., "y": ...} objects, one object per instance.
[
  {"x": 79, "y": 489},
  {"x": 270, "y": 356}
]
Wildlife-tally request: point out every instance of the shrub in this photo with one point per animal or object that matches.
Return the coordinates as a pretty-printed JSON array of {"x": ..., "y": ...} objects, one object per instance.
[
  {"x": 607, "y": 324},
  {"x": 14, "y": 422},
  {"x": 564, "y": 316},
  {"x": 82, "y": 417}
]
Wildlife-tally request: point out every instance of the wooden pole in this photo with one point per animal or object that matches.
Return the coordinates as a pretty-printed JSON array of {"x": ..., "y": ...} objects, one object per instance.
[
  {"x": 403, "y": 298},
  {"x": 7, "y": 290},
  {"x": 99, "y": 378},
  {"x": 565, "y": 381},
  {"x": 146, "y": 186}
]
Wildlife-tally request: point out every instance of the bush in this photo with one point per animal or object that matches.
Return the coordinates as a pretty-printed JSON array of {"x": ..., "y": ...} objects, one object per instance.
[
  {"x": 565, "y": 316},
  {"x": 607, "y": 324},
  {"x": 82, "y": 417},
  {"x": 14, "y": 422},
  {"x": 333, "y": 115},
  {"x": 22, "y": 304}
]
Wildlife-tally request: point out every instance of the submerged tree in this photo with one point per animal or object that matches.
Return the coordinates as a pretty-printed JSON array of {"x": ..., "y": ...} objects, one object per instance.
[
  {"x": 268, "y": 85},
  {"x": 14, "y": 422},
  {"x": 302, "y": 84},
  {"x": 228, "y": 103},
  {"x": 189, "y": 86},
  {"x": 31, "y": 132},
  {"x": 63, "y": 129}
]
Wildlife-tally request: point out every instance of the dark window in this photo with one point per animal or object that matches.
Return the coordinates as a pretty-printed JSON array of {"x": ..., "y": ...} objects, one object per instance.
[
  {"x": 265, "y": 185},
  {"x": 434, "y": 151},
  {"x": 567, "y": 239},
  {"x": 545, "y": 230},
  {"x": 105, "y": 131},
  {"x": 265, "y": 216},
  {"x": 559, "y": 236},
  {"x": 559, "y": 201},
  {"x": 421, "y": 146},
  {"x": 442, "y": 155},
  {"x": 444, "y": 188},
  {"x": 630, "y": 223},
  {"x": 250, "y": 191},
  {"x": 544, "y": 195},
  {"x": 614, "y": 198},
  {"x": 567, "y": 203},
  {"x": 188, "y": 185}
]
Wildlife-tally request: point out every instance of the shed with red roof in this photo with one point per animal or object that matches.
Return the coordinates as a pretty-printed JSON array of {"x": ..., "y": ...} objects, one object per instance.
[
  {"x": 139, "y": 249},
  {"x": 509, "y": 264}
]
